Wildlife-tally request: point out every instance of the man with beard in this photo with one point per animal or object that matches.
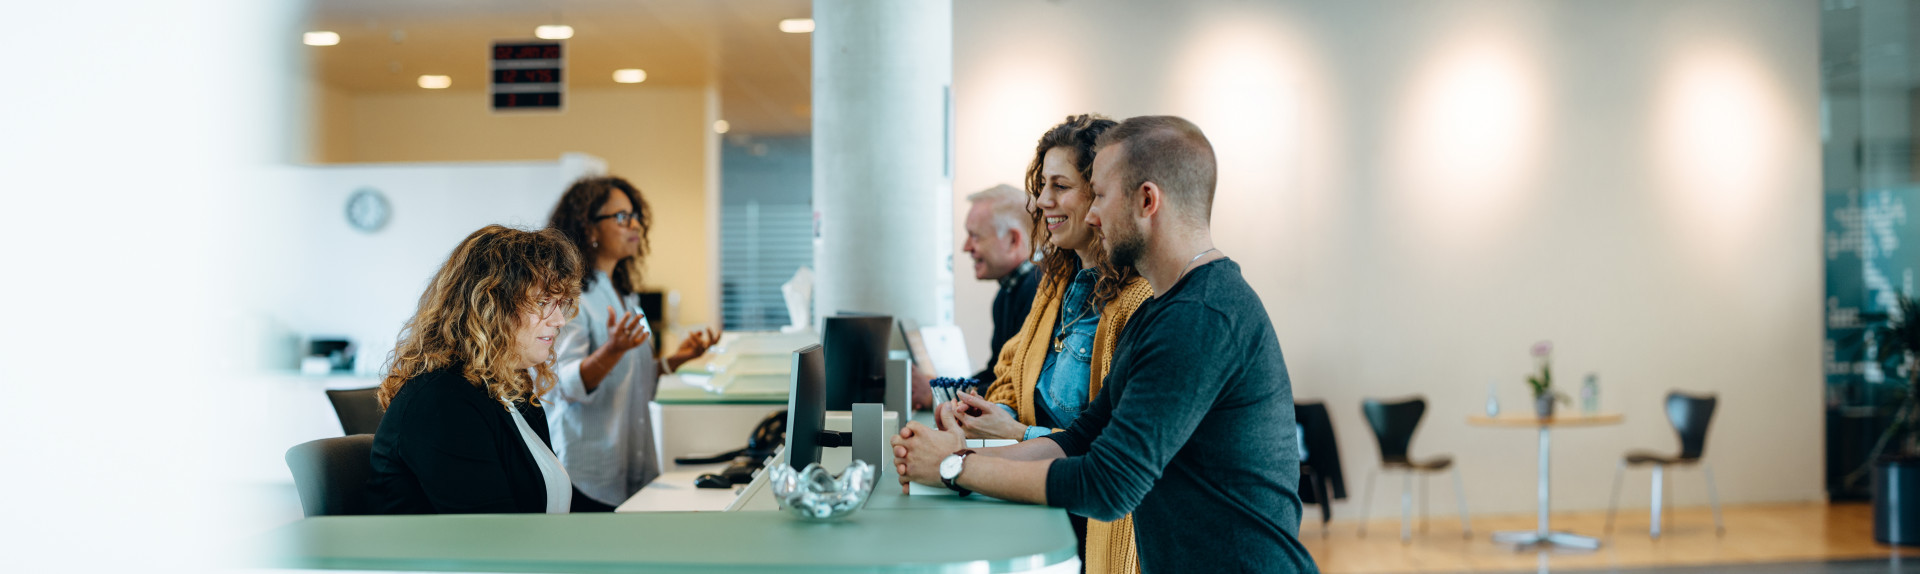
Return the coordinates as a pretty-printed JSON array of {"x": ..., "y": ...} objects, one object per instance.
[{"x": 1193, "y": 431}]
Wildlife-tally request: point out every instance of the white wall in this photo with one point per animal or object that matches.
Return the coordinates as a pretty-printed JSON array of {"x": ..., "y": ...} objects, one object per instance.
[
  {"x": 1421, "y": 190},
  {"x": 120, "y": 188},
  {"x": 326, "y": 278}
]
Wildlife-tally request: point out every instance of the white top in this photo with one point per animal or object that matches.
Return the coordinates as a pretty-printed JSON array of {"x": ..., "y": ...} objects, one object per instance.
[
  {"x": 605, "y": 437},
  {"x": 559, "y": 488}
]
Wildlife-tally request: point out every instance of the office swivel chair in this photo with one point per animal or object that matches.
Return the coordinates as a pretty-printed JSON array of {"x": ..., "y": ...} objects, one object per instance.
[
  {"x": 1690, "y": 415},
  {"x": 331, "y": 475},
  {"x": 1321, "y": 479},
  {"x": 358, "y": 409},
  {"x": 1393, "y": 425}
]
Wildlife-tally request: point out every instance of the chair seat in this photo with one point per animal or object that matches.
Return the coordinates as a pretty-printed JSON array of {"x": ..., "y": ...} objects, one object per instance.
[
  {"x": 1640, "y": 457},
  {"x": 1437, "y": 463}
]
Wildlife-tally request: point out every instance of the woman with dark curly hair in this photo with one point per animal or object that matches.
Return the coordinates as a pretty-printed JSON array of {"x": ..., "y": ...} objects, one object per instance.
[
  {"x": 602, "y": 426},
  {"x": 464, "y": 431},
  {"x": 1053, "y": 367}
]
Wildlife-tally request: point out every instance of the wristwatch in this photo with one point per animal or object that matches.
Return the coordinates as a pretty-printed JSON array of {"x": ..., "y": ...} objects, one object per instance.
[{"x": 950, "y": 469}]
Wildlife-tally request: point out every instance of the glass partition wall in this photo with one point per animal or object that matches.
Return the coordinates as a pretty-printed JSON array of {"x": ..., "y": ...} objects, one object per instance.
[{"x": 1869, "y": 104}]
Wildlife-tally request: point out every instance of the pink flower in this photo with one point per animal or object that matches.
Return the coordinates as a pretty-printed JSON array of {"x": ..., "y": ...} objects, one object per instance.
[{"x": 1542, "y": 349}]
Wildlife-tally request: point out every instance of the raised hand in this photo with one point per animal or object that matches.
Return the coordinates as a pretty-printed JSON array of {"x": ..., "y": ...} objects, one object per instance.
[
  {"x": 624, "y": 333},
  {"x": 696, "y": 345}
]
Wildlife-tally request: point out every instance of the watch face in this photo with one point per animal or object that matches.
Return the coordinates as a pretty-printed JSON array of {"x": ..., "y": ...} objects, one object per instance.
[{"x": 950, "y": 467}]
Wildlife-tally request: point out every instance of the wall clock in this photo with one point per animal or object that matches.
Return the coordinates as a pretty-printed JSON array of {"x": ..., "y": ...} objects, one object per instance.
[{"x": 368, "y": 210}]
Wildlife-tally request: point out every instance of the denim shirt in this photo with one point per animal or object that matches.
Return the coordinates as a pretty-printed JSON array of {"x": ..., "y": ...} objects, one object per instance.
[{"x": 1061, "y": 392}]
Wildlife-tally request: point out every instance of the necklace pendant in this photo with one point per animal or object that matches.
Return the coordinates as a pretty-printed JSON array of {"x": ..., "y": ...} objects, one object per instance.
[{"x": 1059, "y": 344}]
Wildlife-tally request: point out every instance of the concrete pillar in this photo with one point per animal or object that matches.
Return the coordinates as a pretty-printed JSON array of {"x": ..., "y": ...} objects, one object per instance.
[{"x": 882, "y": 158}]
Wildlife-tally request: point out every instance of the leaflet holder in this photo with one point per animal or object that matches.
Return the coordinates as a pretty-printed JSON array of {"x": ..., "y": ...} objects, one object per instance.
[{"x": 899, "y": 398}]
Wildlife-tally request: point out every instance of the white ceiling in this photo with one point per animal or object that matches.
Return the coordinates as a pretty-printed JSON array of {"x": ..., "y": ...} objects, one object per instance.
[{"x": 763, "y": 74}]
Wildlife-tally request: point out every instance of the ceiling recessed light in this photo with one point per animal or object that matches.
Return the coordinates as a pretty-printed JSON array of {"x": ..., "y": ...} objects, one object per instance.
[
  {"x": 721, "y": 126},
  {"x": 796, "y": 25},
  {"x": 320, "y": 38},
  {"x": 553, "y": 32},
  {"x": 435, "y": 82},
  {"x": 630, "y": 75}
]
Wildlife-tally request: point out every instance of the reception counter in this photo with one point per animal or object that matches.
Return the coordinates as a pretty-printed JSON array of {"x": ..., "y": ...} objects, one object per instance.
[{"x": 893, "y": 533}]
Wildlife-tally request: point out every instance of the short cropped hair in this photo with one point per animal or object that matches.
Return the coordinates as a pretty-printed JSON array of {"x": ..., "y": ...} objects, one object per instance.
[
  {"x": 1008, "y": 205},
  {"x": 1172, "y": 153}
]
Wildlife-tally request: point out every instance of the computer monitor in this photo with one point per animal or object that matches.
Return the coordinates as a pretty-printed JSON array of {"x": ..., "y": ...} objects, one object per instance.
[
  {"x": 914, "y": 345},
  {"x": 856, "y": 353},
  {"x": 806, "y": 407}
]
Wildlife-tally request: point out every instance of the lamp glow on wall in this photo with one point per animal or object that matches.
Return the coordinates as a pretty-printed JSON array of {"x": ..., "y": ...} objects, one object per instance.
[
  {"x": 1719, "y": 116},
  {"x": 1242, "y": 83},
  {"x": 1021, "y": 96},
  {"x": 1473, "y": 125}
]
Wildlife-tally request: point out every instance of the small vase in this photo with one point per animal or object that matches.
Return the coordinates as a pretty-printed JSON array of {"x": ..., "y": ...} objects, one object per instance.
[{"x": 1543, "y": 406}]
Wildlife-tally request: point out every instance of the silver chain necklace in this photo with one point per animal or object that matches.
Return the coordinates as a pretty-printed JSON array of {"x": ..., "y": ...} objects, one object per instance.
[{"x": 1189, "y": 267}]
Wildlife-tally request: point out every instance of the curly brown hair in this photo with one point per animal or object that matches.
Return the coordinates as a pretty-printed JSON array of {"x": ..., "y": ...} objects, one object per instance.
[
  {"x": 471, "y": 311},
  {"x": 1079, "y": 134},
  {"x": 574, "y": 215}
]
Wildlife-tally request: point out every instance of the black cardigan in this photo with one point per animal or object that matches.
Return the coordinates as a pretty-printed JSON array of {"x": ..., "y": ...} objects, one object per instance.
[{"x": 445, "y": 447}]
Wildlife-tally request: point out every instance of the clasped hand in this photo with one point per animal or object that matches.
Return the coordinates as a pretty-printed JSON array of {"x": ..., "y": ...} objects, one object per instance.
[
  {"x": 918, "y": 450},
  {"x": 983, "y": 419}
]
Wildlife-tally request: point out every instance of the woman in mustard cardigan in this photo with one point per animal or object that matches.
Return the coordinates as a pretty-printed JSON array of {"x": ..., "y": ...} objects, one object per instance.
[{"x": 1051, "y": 369}]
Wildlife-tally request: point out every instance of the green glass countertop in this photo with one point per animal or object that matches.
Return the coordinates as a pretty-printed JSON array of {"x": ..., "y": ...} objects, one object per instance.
[{"x": 894, "y": 533}]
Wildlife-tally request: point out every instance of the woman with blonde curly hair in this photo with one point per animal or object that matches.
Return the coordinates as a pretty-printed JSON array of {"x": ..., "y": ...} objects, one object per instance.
[
  {"x": 464, "y": 431},
  {"x": 1049, "y": 371}
]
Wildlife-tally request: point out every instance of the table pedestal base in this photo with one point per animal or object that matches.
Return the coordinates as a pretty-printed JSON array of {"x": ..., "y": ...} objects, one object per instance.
[{"x": 1524, "y": 539}]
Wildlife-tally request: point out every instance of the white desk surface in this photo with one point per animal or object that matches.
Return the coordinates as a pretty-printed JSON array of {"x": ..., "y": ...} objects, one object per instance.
[{"x": 674, "y": 492}]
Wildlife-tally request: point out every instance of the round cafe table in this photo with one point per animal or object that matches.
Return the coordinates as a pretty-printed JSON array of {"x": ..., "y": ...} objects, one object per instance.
[{"x": 1543, "y": 535}]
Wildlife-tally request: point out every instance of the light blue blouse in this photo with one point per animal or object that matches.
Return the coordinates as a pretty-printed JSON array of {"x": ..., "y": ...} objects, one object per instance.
[{"x": 605, "y": 436}]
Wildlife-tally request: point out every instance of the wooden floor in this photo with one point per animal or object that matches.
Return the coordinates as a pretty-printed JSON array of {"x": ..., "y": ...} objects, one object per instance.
[{"x": 1755, "y": 534}]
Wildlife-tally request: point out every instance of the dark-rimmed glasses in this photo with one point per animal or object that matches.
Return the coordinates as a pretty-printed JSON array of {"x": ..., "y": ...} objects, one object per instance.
[{"x": 623, "y": 218}]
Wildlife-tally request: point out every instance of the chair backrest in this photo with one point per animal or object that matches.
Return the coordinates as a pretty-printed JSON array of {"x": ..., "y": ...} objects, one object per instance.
[
  {"x": 1317, "y": 433},
  {"x": 1393, "y": 424},
  {"x": 359, "y": 410},
  {"x": 1690, "y": 415},
  {"x": 331, "y": 474}
]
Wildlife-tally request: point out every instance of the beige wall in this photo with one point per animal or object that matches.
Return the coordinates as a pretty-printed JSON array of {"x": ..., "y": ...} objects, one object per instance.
[
  {"x": 656, "y": 137},
  {"x": 1421, "y": 190}
]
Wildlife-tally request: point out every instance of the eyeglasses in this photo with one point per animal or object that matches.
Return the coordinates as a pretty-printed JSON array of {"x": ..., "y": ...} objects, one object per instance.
[
  {"x": 623, "y": 218},
  {"x": 551, "y": 305}
]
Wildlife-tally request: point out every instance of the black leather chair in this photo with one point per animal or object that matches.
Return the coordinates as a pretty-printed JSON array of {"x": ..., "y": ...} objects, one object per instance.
[
  {"x": 1321, "y": 479},
  {"x": 1690, "y": 415},
  {"x": 358, "y": 409},
  {"x": 331, "y": 475},
  {"x": 1393, "y": 424}
]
